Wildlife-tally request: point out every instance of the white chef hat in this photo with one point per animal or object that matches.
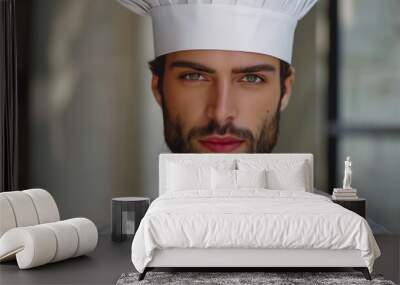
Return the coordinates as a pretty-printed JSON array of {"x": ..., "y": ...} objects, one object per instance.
[{"x": 261, "y": 26}]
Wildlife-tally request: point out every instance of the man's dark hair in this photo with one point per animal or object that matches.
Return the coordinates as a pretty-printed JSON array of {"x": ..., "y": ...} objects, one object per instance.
[{"x": 157, "y": 67}]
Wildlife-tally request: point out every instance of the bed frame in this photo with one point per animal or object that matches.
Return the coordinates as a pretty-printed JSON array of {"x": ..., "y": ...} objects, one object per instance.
[{"x": 248, "y": 259}]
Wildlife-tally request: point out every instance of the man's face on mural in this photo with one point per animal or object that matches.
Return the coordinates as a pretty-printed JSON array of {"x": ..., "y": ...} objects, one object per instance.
[{"x": 221, "y": 101}]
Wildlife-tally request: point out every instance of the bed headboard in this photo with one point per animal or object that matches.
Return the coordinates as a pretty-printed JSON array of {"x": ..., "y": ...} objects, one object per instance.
[{"x": 210, "y": 157}]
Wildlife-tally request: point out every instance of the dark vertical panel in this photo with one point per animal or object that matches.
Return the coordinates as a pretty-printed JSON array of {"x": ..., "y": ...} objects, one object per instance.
[
  {"x": 2, "y": 90},
  {"x": 9, "y": 98},
  {"x": 24, "y": 10},
  {"x": 333, "y": 92}
]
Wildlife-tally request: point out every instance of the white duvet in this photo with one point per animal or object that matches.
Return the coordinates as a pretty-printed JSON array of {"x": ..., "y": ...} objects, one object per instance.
[{"x": 251, "y": 218}]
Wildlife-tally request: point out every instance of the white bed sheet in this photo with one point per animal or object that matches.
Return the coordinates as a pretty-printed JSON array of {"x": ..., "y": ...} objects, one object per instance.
[{"x": 250, "y": 218}]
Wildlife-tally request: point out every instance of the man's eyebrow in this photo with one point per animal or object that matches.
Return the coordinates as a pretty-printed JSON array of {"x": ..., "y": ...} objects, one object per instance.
[
  {"x": 192, "y": 65},
  {"x": 255, "y": 68},
  {"x": 201, "y": 67}
]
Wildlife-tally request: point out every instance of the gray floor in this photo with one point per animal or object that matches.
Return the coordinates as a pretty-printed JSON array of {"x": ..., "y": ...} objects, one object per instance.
[
  {"x": 110, "y": 260},
  {"x": 389, "y": 262}
]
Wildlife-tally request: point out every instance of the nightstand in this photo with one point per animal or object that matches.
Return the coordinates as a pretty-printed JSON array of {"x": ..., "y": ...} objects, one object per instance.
[
  {"x": 126, "y": 214},
  {"x": 358, "y": 206}
]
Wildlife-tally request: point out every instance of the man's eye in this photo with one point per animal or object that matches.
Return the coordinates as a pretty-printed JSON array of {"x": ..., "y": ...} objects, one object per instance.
[
  {"x": 193, "y": 76},
  {"x": 252, "y": 78}
]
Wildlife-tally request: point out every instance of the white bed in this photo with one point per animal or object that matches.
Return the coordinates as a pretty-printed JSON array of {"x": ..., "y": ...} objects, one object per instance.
[{"x": 249, "y": 227}]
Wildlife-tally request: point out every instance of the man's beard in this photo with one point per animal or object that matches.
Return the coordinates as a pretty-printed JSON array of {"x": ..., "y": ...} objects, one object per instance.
[{"x": 264, "y": 143}]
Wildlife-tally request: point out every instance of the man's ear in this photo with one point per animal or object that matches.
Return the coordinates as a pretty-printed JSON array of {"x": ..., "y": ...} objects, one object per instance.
[
  {"x": 154, "y": 88},
  {"x": 289, "y": 82}
]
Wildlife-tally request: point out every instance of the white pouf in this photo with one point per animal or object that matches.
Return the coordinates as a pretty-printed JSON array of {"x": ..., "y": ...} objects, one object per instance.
[
  {"x": 40, "y": 244},
  {"x": 32, "y": 233}
]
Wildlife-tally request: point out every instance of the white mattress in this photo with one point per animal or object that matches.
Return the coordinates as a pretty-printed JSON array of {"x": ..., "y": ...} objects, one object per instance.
[{"x": 252, "y": 218}]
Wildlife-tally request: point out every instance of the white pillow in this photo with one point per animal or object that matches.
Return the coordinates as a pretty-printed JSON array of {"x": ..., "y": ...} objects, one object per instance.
[
  {"x": 223, "y": 179},
  {"x": 204, "y": 162},
  {"x": 227, "y": 179},
  {"x": 251, "y": 178},
  {"x": 185, "y": 177},
  {"x": 290, "y": 179},
  {"x": 282, "y": 174}
]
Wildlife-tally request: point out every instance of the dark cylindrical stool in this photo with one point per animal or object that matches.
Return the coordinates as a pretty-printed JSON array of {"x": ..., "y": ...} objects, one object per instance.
[{"x": 126, "y": 214}]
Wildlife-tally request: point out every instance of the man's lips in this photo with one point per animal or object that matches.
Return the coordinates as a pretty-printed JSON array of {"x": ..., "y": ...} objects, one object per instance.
[{"x": 221, "y": 144}]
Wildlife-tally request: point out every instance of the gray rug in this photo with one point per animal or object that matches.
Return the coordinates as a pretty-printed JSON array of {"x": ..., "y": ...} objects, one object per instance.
[{"x": 228, "y": 278}]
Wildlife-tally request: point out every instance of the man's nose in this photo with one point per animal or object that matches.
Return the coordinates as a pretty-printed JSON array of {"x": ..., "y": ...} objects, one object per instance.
[{"x": 222, "y": 107}]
